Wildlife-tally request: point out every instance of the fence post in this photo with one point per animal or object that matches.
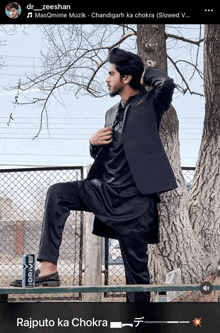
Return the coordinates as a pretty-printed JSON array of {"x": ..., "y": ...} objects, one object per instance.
[
  {"x": 92, "y": 255},
  {"x": 19, "y": 237}
]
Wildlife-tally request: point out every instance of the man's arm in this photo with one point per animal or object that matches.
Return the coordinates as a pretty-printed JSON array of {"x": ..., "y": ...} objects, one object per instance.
[
  {"x": 100, "y": 138},
  {"x": 163, "y": 85},
  {"x": 94, "y": 150}
]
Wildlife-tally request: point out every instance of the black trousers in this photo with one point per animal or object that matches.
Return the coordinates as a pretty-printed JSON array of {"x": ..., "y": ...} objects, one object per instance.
[{"x": 64, "y": 197}]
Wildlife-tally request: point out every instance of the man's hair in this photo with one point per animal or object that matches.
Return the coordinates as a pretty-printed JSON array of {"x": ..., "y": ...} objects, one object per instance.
[
  {"x": 127, "y": 63},
  {"x": 13, "y": 5}
]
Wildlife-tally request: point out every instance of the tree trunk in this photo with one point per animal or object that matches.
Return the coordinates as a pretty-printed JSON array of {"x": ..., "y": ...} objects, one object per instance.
[
  {"x": 179, "y": 247},
  {"x": 204, "y": 201}
]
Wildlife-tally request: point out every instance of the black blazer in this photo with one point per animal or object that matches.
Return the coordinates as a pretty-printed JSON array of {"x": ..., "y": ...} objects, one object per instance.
[{"x": 143, "y": 148}]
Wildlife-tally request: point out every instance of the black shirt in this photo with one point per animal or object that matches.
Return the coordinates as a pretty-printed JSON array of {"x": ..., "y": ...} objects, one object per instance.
[{"x": 117, "y": 171}]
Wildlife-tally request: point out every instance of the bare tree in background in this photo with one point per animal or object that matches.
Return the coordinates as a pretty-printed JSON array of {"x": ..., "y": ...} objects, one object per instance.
[
  {"x": 204, "y": 200},
  {"x": 75, "y": 63}
]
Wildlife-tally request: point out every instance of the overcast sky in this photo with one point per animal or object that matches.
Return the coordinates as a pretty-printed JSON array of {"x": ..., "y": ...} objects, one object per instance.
[{"x": 66, "y": 142}]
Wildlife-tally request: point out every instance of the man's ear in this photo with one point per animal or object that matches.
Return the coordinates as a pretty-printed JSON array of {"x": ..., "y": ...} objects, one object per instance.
[{"x": 127, "y": 78}]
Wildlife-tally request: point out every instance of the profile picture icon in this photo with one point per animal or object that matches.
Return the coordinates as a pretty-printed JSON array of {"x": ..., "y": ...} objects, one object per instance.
[{"x": 13, "y": 10}]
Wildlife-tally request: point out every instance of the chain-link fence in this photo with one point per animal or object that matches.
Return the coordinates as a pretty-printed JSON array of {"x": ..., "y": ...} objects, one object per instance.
[
  {"x": 114, "y": 269},
  {"x": 188, "y": 174},
  {"x": 22, "y": 197}
]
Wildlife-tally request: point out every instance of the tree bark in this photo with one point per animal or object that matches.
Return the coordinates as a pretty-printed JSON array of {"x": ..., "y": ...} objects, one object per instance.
[
  {"x": 204, "y": 200},
  {"x": 179, "y": 247}
]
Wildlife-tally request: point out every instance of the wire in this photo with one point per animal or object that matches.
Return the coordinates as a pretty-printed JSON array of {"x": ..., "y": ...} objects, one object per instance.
[
  {"x": 78, "y": 118},
  {"x": 72, "y": 118},
  {"x": 11, "y": 56},
  {"x": 38, "y": 165},
  {"x": 21, "y": 66},
  {"x": 14, "y": 138},
  {"x": 72, "y": 139},
  {"x": 14, "y": 74},
  {"x": 44, "y": 155}
]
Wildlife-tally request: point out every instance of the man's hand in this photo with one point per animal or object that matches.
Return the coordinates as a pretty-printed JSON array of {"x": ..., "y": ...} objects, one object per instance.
[
  {"x": 142, "y": 79},
  {"x": 102, "y": 137},
  {"x": 149, "y": 63}
]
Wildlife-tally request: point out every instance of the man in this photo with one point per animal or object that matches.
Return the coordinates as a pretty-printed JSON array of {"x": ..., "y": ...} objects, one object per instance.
[
  {"x": 13, "y": 10},
  {"x": 130, "y": 170}
]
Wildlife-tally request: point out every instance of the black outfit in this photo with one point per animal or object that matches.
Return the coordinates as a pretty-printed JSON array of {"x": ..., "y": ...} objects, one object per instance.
[
  {"x": 114, "y": 197},
  {"x": 123, "y": 185}
]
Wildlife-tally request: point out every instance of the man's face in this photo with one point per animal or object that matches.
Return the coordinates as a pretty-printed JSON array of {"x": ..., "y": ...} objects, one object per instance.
[
  {"x": 114, "y": 82},
  {"x": 13, "y": 12}
]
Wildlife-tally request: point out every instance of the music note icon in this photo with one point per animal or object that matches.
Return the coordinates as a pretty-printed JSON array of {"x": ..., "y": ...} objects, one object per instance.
[{"x": 29, "y": 14}]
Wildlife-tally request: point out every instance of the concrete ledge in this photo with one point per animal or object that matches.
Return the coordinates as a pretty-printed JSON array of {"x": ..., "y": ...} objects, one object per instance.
[{"x": 100, "y": 289}]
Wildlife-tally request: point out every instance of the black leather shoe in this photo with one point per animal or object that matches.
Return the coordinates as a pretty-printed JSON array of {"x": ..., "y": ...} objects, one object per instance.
[{"x": 50, "y": 280}]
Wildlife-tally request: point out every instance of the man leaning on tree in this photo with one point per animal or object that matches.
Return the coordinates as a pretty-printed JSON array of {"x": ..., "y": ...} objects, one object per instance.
[{"x": 129, "y": 172}]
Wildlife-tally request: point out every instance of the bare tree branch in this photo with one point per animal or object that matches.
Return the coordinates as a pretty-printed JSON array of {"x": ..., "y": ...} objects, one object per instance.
[
  {"x": 191, "y": 64},
  {"x": 63, "y": 74},
  {"x": 197, "y": 55},
  {"x": 184, "y": 80},
  {"x": 185, "y": 39},
  {"x": 105, "y": 61},
  {"x": 75, "y": 56}
]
